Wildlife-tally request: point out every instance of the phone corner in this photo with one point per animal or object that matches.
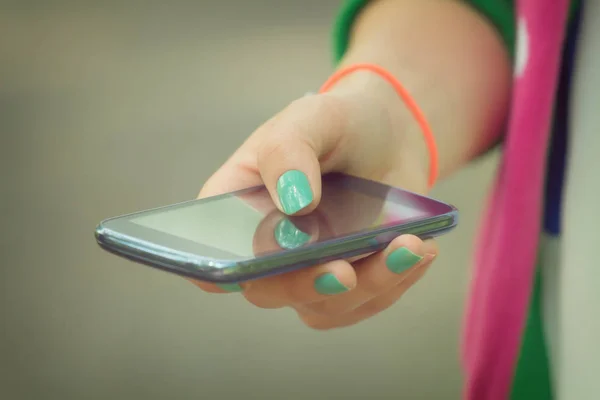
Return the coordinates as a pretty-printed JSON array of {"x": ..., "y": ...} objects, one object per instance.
[
  {"x": 453, "y": 212},
  {"x": 101, "y": 233}
]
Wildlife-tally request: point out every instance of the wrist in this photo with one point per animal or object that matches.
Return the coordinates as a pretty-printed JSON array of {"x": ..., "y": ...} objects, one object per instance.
[
  {"x": 374, "y": 106},
  {"x": 450, "y": 59}
]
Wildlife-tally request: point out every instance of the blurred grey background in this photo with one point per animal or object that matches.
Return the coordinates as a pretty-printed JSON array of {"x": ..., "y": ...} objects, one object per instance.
[{"x": 107, "y": 108}]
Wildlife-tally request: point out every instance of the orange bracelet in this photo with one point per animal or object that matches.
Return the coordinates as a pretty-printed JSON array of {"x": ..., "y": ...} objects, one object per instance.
[{"x": 408, "y": 100}]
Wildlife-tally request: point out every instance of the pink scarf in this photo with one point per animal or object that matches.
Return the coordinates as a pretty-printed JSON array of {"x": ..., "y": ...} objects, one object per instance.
[{"x": 506, "y": 257}]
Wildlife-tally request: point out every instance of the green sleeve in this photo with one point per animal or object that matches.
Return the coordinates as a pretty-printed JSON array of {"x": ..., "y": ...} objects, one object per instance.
[
  {"x": 343, "y": 26},
  {"x": 499, "y": 12}
]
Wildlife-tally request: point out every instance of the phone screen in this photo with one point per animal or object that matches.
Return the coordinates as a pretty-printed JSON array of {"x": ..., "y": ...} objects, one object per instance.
[{"x": 248, "y": 224}]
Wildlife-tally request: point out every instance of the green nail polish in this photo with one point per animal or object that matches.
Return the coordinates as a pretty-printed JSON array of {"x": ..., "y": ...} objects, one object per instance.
[
  {"x": 230, "y": 287},
  {"x": 294, "y": 191},
  {"x": 329, "y": 284},
  {"x": 288, "y": 236},
  {"x": 401, "y": 259}
]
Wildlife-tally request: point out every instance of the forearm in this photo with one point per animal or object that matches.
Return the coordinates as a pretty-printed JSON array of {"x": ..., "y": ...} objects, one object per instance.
[{"x": 452, "y": 62}]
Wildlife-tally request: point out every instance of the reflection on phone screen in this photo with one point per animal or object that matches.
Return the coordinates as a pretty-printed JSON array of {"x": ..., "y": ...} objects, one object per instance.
[{"x": 249, "y": 224}]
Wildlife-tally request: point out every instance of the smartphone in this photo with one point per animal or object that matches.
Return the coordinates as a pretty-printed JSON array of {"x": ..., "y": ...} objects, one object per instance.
[{"x": 241, "y": 236}]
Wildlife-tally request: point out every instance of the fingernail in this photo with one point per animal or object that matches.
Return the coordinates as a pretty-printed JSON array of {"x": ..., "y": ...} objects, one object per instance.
[
  {"x": 294, "y": 191},
  {"x": 401, "y": 259},
  {"x": 328, "y": 284},
  {"x": 288, "y": 236},
  {"x": 230, "y": 287}
]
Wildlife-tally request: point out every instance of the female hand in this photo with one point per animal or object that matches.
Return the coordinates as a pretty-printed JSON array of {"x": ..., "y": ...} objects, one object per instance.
[{"x": 345, "y": 130}]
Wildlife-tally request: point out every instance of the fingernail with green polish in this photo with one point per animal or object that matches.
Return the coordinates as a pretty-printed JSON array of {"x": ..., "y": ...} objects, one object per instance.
[
  {"x": 328, "y": 284},
  {"x": 294, "y": 191},
  {"x": 288, "y": 236},
  {"x": 401, "y": 259},
  {"x": 230, "y": 287}
]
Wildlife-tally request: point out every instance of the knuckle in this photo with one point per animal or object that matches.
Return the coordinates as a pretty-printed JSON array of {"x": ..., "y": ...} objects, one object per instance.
[
  {"x": 325, "y": 107},
  {"x": 326, "y": 308},
  {"x": 271, "y": 148},
  {"x": 372, "y": 287},
  {"x": 280, "y": 148},
  {"x": 295, "y": 294},
  {"x": 375, "y": 307}
]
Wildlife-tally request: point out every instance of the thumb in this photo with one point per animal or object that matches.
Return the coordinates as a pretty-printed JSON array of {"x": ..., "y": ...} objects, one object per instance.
[{"x": 296, "y": 147}]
